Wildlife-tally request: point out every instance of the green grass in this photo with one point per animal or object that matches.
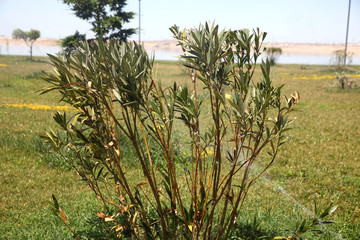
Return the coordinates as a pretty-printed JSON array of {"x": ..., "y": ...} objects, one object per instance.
[{"x": 319, "y": 163}]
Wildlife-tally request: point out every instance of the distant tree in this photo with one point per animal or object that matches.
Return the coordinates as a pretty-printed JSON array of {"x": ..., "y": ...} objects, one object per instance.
[
  {"x": 71, "y": 42},
  {"x": 273, "y": 54},
  {"x": 338, "y": 59},
  {"x": 29, "y": 37},
  {"x": 106, "y": 16}
]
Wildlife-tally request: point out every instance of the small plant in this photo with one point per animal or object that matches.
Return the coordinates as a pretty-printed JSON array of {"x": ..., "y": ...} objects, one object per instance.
[
  {"x": 311, "y": 224},
  {"x": 112, "y": 87},
  {"x": 273, "y": 55},
  {"x": 347, "y": 82},
  {"x": 338, "y": 58}
]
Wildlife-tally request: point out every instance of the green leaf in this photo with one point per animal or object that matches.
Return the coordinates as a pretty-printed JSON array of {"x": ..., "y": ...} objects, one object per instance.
[{"x": 55, "y": 201}]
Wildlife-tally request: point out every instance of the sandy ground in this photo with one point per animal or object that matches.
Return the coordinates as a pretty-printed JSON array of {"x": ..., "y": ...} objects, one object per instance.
[
  {"x": 39, "y": 41},
  {"x": 317, "y": 49},
  {"x": 171, "y": 46},
  {"x": 287, "y": 48}
]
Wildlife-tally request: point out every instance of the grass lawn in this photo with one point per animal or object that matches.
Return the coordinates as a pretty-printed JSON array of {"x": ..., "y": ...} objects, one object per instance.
[{"x": 320, "y": 162}]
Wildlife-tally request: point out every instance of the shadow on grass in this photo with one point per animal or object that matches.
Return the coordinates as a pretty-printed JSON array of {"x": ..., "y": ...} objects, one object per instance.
[
  {"x": 248, "y": 231},
  {"x": 243, "y": 231}
]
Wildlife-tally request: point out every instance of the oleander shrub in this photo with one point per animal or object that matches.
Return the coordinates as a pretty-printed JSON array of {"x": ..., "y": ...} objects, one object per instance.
[{"x": 191, "y": 187}]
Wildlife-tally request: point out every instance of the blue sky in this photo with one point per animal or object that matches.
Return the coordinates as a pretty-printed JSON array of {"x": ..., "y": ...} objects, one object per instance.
[{"x": 295, "y": 21}]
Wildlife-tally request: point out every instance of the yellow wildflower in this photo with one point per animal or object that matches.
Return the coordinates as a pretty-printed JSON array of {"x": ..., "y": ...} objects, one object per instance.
[
  {"x": 3, "y": 65},
  {"x": 316, "y": 77},
  {"x": 208, "y": 152},
  {"x": 39, "y": 107}
]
